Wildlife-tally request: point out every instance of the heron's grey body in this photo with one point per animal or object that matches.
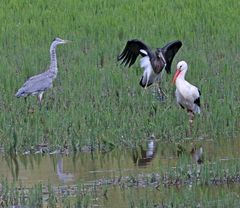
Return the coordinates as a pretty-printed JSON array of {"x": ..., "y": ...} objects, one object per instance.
[{"x": 38, "y": 84}]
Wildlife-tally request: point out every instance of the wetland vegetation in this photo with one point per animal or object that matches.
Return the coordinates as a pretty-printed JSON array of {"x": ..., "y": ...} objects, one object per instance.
[{"x": 97, "y": 104}]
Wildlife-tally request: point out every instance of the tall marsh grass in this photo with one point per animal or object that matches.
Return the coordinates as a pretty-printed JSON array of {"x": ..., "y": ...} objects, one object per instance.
[{"x": 94, "y": 99}]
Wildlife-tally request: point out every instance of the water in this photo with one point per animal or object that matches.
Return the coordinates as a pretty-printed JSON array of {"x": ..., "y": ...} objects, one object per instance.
[
  {"x": 63, "y": 169},
  {"x": 92, "y": 168}
]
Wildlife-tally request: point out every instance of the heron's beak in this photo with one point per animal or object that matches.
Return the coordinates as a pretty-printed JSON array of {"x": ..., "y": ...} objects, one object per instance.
[
  {"x": 176, "y": 75},
  {"x": 67, "y": 41}
]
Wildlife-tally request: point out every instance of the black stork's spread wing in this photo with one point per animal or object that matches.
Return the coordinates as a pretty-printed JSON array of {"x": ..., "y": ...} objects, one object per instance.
[
  {"x": 131, "y": 51},
  {"x": 169, "y": 51}
]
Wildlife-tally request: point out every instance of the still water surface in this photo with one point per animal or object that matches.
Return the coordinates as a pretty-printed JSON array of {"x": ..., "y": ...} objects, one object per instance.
[
  {"x": 86, "y": 167},
  {"x": 151, "y": 157}
]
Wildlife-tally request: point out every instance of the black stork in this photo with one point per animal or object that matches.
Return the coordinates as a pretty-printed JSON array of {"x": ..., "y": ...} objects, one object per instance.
[{"x": 152, "y": 62}]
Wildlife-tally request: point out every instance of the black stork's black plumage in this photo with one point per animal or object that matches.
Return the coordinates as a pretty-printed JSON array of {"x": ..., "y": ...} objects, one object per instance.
[{"x": 153, "y": 62}]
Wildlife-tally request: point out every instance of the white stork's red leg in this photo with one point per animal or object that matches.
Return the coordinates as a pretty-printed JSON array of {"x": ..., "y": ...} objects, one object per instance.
[{"x": 191, "y": 118}]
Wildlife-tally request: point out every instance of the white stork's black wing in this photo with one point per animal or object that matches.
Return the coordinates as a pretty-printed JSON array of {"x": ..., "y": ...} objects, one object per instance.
[
  {"x": 132, "y": 50},
  {"x": 197, "y": 101},
  {"x": 169, "y": 51}
]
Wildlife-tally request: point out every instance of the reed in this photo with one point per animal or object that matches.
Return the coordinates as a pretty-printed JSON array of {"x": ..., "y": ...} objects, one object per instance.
[{"x": 94, "y": 99}]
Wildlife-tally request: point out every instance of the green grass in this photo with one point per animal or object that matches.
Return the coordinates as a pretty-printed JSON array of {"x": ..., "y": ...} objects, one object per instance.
[
  {"x": 94, "y": 99},
  {"x": 138, "y": 191}
]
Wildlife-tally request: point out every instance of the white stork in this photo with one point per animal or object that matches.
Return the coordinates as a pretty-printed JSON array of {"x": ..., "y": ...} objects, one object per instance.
[{"x": 187, "y": 95}]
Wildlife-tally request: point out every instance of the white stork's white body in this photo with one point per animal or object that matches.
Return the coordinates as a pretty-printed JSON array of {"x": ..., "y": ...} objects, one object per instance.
[{"x": 187, "y": 95}]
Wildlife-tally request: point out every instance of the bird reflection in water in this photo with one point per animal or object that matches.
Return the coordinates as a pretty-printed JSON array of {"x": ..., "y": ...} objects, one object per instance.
[
  {"x": 143, "y": 156},
  {"x": 13, "y": 165},
  {"x": 63, "y": 177},
  {"x": 195, "y": 153}
]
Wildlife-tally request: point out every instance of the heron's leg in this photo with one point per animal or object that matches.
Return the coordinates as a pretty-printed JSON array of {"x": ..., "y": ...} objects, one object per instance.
[
  {"x": 25, "y": 100},
  {"x": 40, "y": 95}
]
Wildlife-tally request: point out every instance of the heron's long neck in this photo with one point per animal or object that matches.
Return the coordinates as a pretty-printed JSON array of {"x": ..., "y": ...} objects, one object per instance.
[{"x": 53, "y": 55}]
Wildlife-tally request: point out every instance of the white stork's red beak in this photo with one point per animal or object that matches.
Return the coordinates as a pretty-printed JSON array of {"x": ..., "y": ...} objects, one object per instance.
[{"x": 176, "y": 75}]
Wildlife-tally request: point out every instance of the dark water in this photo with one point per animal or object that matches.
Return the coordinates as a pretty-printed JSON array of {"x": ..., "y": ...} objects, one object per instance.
[{"x": 151, "y": 157}]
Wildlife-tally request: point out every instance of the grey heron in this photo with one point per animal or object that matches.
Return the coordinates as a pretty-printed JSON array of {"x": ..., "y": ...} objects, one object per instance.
[
  {"x": 187, "y": 95},
  {"x": 38, "y": 84},
  {"x": 153, "y": 62}
]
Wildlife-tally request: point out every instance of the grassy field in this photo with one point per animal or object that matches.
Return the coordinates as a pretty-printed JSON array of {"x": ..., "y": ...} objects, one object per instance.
[{"x": 94, "y": 99}]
